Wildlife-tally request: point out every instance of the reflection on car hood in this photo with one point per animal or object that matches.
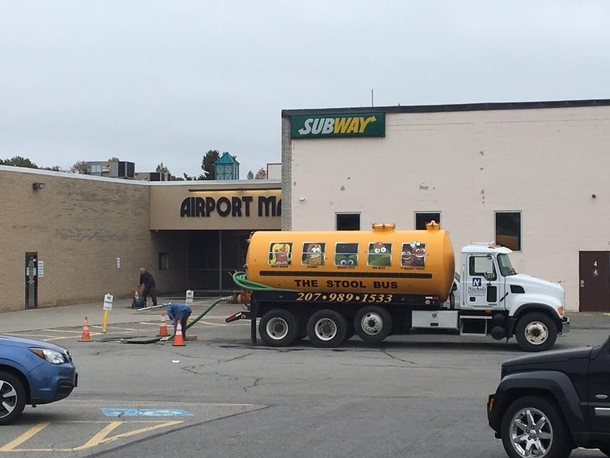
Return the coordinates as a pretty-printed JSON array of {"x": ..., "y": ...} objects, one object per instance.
[
  {"x": 10, "y": 341},
  {"x": 554, "y": 356}
]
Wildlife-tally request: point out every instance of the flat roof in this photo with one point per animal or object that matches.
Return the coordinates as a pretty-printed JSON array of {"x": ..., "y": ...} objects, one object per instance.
[{"x": 452, "y": 107}]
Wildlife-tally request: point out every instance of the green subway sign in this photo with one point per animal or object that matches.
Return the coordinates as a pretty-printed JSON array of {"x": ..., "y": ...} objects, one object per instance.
[{"x": 339, "y": 125}]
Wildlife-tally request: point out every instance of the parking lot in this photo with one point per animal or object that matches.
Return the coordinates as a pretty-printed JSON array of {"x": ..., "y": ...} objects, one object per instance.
[{"x": 414, "y": 396}]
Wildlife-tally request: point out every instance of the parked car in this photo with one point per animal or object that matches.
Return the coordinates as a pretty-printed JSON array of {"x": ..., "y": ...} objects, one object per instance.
[
  {"x": 548, "y": 404},
  {"x": 32, "y": 372}
]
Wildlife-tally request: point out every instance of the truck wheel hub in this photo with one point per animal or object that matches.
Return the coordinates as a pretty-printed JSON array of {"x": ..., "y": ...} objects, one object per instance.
[
  {"x": 536, "y": 333},
  {"x": 326, "y": 329},
  {"x": 372, "y": 324},
  {"x": 277, "y": 328}
]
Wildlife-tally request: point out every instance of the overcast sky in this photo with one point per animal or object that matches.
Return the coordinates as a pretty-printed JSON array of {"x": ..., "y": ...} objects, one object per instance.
[{"x": 165, "y": 81}]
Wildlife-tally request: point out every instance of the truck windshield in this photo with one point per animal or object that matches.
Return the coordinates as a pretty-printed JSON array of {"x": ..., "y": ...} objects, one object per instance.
[{"x": 506, "y": 267}]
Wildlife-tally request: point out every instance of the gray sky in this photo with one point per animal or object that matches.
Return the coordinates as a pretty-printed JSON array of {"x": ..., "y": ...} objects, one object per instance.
[{"x": 165, "y": 81}]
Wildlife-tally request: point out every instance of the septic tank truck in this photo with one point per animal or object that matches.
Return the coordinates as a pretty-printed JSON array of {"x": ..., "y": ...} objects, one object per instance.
[{"x": 330, "y": 285}]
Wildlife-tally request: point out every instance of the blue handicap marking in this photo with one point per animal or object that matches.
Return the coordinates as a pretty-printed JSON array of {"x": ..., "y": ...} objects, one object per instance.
[{"x": 118, "y": 412}]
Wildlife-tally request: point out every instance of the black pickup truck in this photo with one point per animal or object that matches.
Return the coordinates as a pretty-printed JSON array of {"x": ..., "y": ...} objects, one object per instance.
[{"x": 548, "y": 404}]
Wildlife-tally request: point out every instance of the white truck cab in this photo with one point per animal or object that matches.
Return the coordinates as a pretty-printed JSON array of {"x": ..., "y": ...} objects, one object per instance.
[{"x": 494, "y": 299}]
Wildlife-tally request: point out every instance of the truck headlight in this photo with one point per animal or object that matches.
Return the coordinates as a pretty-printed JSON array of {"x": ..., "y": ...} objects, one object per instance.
[{"x": 52, "y": 356}]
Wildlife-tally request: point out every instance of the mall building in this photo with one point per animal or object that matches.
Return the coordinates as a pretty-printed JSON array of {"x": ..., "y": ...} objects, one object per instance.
[{"x": 531, "y": 176}]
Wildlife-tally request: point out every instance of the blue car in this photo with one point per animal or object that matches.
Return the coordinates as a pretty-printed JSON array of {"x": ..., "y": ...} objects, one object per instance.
[{"x": 32, "y": 372}]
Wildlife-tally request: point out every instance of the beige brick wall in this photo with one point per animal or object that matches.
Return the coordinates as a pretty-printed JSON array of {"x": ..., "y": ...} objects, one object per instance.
[{"x": 80, "y": 226}]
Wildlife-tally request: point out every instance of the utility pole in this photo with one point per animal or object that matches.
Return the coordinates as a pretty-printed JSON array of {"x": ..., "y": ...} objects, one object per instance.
[{"x": 372, "y": 98}]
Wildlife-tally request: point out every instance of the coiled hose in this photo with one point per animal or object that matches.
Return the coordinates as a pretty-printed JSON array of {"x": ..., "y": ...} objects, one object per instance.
[{"x": 240, "y": 278}]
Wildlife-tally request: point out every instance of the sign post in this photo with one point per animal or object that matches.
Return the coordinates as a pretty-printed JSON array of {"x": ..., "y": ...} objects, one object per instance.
[
  {"x": 107, "y": 307},
  {"x": 189, "y": 296}
]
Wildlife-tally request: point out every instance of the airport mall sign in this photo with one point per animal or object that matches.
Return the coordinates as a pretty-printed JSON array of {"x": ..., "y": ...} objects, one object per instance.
[
  {"x": 338, "y": 125},
  {"x": 234, "y": 206}
]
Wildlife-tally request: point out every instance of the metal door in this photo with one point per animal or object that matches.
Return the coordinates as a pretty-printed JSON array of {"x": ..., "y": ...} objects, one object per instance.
[
  {"x": 479, "y": 291},
  {"x": 31, "y": 280},
  {"x": 594, "y": 291}
]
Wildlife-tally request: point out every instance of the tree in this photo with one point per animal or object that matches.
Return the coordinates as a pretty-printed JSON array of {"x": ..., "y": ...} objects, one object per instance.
[
  {"x": 162, "y": 168},
  {"x": 18, "y": 161},
  {"x": 79, "y": 167},
  {"x": 207, "y": 164},
  {"x": 250, "y": 175},
  {"x": 261, "y": 174}
]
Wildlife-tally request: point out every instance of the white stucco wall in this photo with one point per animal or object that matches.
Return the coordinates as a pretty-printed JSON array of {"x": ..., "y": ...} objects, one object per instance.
[{"x": 545, "y": 163}]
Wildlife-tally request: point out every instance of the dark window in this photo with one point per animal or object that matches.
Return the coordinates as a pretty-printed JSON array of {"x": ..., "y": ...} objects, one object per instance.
[
  {"x": 508, "y": 230},
  {"x": 423, "y": 218},
  {"x": 348, "y": 221},
  {"x": 163, "y": 261}
]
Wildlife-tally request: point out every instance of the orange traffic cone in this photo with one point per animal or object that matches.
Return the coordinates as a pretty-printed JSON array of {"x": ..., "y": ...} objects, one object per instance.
[
  {"x": 178, "y": 340},
  {"x": 163, "y": 327},
  {"x": 85, "y": 336}
]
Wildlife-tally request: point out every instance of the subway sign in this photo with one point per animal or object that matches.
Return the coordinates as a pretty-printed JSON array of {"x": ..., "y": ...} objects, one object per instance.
[{"x": 339, "y": 125}]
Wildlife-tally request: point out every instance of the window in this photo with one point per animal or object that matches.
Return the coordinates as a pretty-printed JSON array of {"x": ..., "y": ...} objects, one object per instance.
[
  {"x": 96, "y": 168},
  {"x": 348, "y": 221},
  {"x": 481, "y": 265},
  {"x": 508, "y": 230},
  {"x": 423, "y": 218},
  {"x": 163, "y": 261}
]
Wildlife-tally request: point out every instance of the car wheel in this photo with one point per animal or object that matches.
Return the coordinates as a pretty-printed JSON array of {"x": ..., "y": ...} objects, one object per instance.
[
  {"x": 278, "y": 328},
  {"x": 12, "y": 397},
  {"x": 373, "y": 324},
  {"x": 536, "y": 332},
  {"x": 533, "y": 427},
  {"x": 326, "y": 329}
]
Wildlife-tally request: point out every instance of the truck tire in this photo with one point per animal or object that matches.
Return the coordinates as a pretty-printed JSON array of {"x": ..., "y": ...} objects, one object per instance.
[
  {"x": 12, "y": 397},
  {"x": 278, "y": 328},
  {"x": 534, "y": 426},
  {"x": 326, "y": 329},
  {"x": 373, "y": 323},
  {"x": 536, "y": 331}
]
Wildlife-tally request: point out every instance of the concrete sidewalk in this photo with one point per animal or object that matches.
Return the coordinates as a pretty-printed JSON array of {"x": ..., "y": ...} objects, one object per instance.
[{"x": 73, "y": 315}]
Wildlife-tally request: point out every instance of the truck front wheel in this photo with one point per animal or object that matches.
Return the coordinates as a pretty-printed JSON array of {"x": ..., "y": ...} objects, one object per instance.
[
  {"x": 536, "y": 332},
  {"x": 278, "y": 328},
  {"x": 373, "y": 324},
  {"x": 534, "y": 426},
  {"x": 327, "y": 329}
]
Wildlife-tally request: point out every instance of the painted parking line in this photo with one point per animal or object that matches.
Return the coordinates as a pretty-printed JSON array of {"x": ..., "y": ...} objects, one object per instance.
[
  {"x": 102, "y": 436},
  {"x": 122, "y": 412}
]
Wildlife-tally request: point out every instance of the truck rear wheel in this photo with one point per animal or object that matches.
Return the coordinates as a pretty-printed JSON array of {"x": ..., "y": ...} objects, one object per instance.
[
  {"x": 327, "y": 329},
  {"x": 278, "y": 328},
  {"x": 536, "y": 332},
  {"x": 373, "y": 323},
  {"x": 534, "y": 426}
]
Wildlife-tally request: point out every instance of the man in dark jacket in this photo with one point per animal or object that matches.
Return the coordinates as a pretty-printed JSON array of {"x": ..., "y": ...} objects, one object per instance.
[
  {"x": 179, "y": 313},
  {"x": 150, "y": 286}
]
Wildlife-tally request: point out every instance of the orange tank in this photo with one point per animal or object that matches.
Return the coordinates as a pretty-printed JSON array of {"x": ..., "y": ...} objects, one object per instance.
[{"x": 382, "y": 260}]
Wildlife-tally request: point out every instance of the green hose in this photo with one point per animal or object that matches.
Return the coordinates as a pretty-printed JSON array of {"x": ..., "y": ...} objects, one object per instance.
[{"x": 242, "y": 281}]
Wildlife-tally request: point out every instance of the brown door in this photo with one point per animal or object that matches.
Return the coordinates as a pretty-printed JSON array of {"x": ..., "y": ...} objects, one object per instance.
[
  {"x": 594, "y": 275},
  {"x": 31, "y": 280}
]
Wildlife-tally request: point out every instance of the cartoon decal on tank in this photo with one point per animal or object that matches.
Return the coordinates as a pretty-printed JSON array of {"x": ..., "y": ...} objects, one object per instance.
[
  {"x": 280, "y": 253},
  {"x": 313, "y": 254},
  {"x": 346, "y": 254},
  {"x": 413, "y": 254},
  {"x": 380, "y": 254}
]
